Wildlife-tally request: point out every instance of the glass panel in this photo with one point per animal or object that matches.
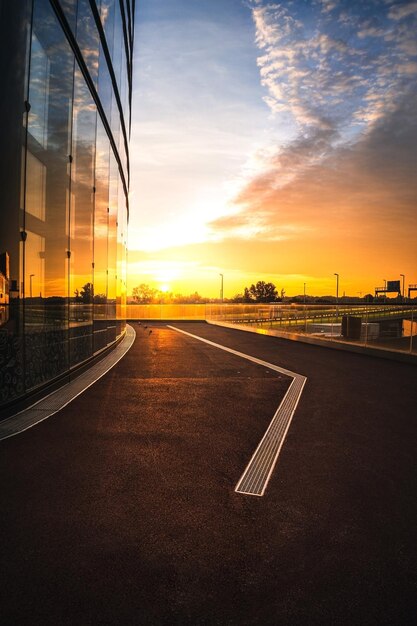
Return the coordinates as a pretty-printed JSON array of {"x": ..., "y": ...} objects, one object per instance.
[
  {"x": 35, "y": 186},
  {"x": 34, "y": 283},
  {"x": 87, "y": 38},
  {"x": 105, "y": 88},
  {"x": 70, "y": 9},
  {"x": 112, "y": 249},
  {"x": 117, "y": 65},
  {"x": 101, "y": 219},
  {"x": 39, "y": 92},
  {"x": 81, "y": 222},
  {"x": 45, "y": 266},
  {"x": 107, "y": 19},
  {"x": 118, "y": 44}
]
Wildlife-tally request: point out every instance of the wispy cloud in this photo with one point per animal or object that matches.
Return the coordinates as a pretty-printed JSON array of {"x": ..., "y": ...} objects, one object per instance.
[
  {"x": 321, "y": 74},
  {"x": 357, "y": 189},
  {"x": 272, "y": 139},
  {"x": 348, "y": 92}
]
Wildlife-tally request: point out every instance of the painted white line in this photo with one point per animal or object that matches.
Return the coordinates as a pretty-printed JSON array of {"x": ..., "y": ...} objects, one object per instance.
[{"x": 258, "y": 472}]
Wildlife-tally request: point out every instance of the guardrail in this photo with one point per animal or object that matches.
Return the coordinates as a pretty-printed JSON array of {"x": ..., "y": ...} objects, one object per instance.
[{"x": 393, "y": 327}]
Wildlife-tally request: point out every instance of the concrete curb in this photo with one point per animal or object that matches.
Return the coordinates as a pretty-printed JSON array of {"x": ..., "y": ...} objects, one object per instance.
[{"x": 381, "y": 353}]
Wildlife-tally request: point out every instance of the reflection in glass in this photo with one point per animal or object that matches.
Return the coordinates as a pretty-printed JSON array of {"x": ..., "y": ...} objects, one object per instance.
[
  {"x": 45, "y": 275},
  {"x": 35, "y": 186},
  {"x": 101, "y": 228},
  {"x": 39, "y": 88},
  {"x": 63, "y": 243},
  {"x": 112, "y": 249},
  {"x": 87, "y": 38},
  {"x": 107, "y": 19},
  {"x": 81, "y": 221}
]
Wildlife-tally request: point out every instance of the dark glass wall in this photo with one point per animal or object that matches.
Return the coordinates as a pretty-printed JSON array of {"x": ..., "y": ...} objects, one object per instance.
[{"x": 64, "y": 174}]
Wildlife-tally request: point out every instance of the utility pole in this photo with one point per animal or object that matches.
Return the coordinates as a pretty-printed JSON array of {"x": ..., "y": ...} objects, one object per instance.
[{"x": 337, "y": 294}]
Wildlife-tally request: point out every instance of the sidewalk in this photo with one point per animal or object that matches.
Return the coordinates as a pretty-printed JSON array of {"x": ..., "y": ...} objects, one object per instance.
[{"x": 121, "y": 509}]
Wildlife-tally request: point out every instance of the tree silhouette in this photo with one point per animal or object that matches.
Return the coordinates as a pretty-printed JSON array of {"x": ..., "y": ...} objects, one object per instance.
[
  {"x": 143, "y": 294},
  {"x": 86, "y": 293},
  {"x": 261, "y": 292}
]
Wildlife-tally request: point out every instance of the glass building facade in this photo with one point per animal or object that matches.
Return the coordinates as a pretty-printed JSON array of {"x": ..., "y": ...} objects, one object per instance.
[{"x": 66, "y": 84}]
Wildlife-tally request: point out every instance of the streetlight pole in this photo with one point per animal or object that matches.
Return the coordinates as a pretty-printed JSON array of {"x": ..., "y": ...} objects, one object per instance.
[
  {"x": 221, "y": 287},
  {"x": 385, "y": 290},
  {"x": 337, "y": 294},
  {"x": 30, "y": 284},
  {"x": 305, "y": 310}
]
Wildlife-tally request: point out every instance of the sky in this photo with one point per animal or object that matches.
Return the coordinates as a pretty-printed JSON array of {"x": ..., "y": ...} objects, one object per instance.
[{"x": 274, "y": 141}]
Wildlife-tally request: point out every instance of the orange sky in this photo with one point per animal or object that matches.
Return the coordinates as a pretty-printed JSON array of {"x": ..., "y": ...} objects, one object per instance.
[{"x": 304, "y": 162}]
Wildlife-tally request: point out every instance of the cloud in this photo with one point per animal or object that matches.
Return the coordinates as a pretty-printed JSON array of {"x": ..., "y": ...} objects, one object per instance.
[
  {"x": 356, "y": 189},
  {"x": 400, "y": 11},
  {"x": 327, "y": 73},
  {"x": 328, "y": 5}
]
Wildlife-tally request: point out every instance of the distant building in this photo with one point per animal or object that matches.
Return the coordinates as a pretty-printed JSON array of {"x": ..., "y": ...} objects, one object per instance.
[{"x": 66, "y": 83}]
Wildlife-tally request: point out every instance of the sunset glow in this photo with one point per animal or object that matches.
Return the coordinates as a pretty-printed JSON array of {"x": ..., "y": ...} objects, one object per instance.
[{"x": 274, "y": 141}]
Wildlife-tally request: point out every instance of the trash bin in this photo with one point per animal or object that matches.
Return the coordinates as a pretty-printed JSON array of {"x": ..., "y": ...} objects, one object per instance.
[{"x": 351, "y": 327}]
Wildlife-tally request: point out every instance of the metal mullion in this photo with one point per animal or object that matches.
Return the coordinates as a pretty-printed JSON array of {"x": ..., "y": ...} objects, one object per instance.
[
  {"x": 128, "y": 63},
  {"x": 130, "y": 11}
]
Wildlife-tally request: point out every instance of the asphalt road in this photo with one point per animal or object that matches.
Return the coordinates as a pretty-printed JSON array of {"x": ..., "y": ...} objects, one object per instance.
[{"x": 121, "y": 509}]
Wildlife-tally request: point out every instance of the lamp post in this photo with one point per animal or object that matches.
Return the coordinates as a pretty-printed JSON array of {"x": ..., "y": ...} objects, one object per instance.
[
  {"x": 403, "y": 293},
  {"x": 221, "y": 287},
  {"x": 385, "y": 289},
  {"x": 30, "y": 284},
  {"x": 305, "y": 310},
  {"x": 337, "y": 294}
]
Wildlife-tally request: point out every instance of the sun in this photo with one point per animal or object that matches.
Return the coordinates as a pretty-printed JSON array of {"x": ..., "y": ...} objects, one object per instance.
[{"x": 164, "y": 288}]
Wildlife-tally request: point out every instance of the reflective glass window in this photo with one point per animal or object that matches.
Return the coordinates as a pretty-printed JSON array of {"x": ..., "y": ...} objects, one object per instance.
[
  {"x": 118, "y": 44},
  {"x": 81, "y": 221},
  {"x": 105, "y": 88},
  {"x": 70, "y": 10},
  {"x": 101, "y": 227},
  {"x": 107, "y": 8},
  {"x": 112, "y": 247},
  {"x": 45, "y": 275},
  {"x": 88, "y": 38},
  {"x": 39, "y": 91},
  {"x": 36, "y": 186}
]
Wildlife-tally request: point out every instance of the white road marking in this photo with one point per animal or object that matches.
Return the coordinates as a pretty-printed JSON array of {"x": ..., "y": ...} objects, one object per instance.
[{"x": 255, "y": 478}]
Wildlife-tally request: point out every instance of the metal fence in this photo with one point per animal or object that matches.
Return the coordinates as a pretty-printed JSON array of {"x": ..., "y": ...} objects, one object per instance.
[{"x": 392, "y": 327}]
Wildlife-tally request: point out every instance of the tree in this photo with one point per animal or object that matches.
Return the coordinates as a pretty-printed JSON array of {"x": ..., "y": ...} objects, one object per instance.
[
  {"x": 261, "y": 292},
  {"x": 247, "y": 296},
  {"x": 86, "y": 293},
  {"x": 143, "y": 294}
]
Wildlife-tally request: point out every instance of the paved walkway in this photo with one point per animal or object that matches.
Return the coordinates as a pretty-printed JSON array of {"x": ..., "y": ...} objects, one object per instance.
[{"x": 122, "y": 509}]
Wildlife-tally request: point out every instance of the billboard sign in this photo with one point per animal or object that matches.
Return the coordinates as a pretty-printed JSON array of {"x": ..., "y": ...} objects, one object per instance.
[{"x": 393, "y": 285}]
